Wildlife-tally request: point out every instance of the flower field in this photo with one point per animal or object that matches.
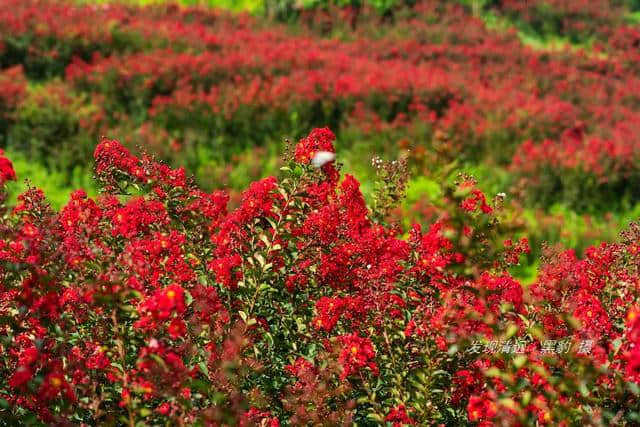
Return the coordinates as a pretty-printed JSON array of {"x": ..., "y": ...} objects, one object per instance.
[{"x": 328, "y": 215}]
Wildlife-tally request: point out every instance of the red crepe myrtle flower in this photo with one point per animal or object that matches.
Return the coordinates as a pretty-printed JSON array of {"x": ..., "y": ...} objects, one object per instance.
[
  {"x": 357, "y": 353},
  {"x": 20, "y": 377},
  {"x": 318, "y": 140},
  {"x": 399, "y": 417},
  {"x": 226, "y": 270},
  {"x": 7, "y": 173},
  {"x": 477, "y": 200},
  {"x": 481, "y": 408}
]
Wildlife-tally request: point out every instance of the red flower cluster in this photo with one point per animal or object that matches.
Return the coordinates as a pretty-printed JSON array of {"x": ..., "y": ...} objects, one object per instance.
[
  {"x": 13, "y": 86},
  {"x": 481, "y": 409},
  {"x": 331, "y": 310},
  {"x": 398, "y": 417},
  {"x": 476, "y": 200},
  {"x": 318, "y": 140},
  {"x": 6, "y": 169},
  {"x": 629, "y": 356},
  {"x": 357, "y": 353}
]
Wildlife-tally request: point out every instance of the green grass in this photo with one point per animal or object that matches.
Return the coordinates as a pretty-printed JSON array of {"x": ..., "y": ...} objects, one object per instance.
[
  {"x": 57, "y": 185},
  {"x": 549, "y": 43},
  {"x": 634, "y": 17}
]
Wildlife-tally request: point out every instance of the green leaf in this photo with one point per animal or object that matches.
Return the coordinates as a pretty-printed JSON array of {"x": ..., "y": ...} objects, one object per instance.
[
  {"x": 511, "y": 331},
  {"x": 271, "y": 222},
  {"x": 269, "y": 338},
  {"x": 188, "y": 298},
  {"x": 260, "y": 259},
  {"x": 265, "y": 286},
  {"x": 584, "y": 391},
  {"x": 128, "y": 308},
  {"x": 264, "y": 239},
  {"x": 374, "y": 417},
  {"x": 519, "y": 361},
  {"x": 441, "y": 372},
  {"x": 203, "y": 368},
  {"x": 493, "y": 372}
]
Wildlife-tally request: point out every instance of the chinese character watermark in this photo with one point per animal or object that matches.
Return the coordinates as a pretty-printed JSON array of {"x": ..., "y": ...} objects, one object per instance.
[{"x": 519, "y": 346}]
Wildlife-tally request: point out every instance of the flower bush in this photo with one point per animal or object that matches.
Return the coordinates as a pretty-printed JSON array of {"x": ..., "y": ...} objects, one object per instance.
[
  {"x": 577, "y": 21},
  {"x": 12, "y": 88},
  {"x": 155, "y": 303},
  {"x": 577, "y": 166}
]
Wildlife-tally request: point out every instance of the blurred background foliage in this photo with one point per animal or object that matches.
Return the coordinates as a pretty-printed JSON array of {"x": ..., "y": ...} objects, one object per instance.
[{"x": 51, "y": 134}]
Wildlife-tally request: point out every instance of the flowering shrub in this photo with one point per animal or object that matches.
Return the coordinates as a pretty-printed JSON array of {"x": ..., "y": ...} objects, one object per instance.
[
  {"x": 54, "y": 124},
  {"x": 12, "y": 89},
  {"x": 156, "y": 304},
  {"x": 577, "y": 20},
  {"x": 579, "y": 165}
]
